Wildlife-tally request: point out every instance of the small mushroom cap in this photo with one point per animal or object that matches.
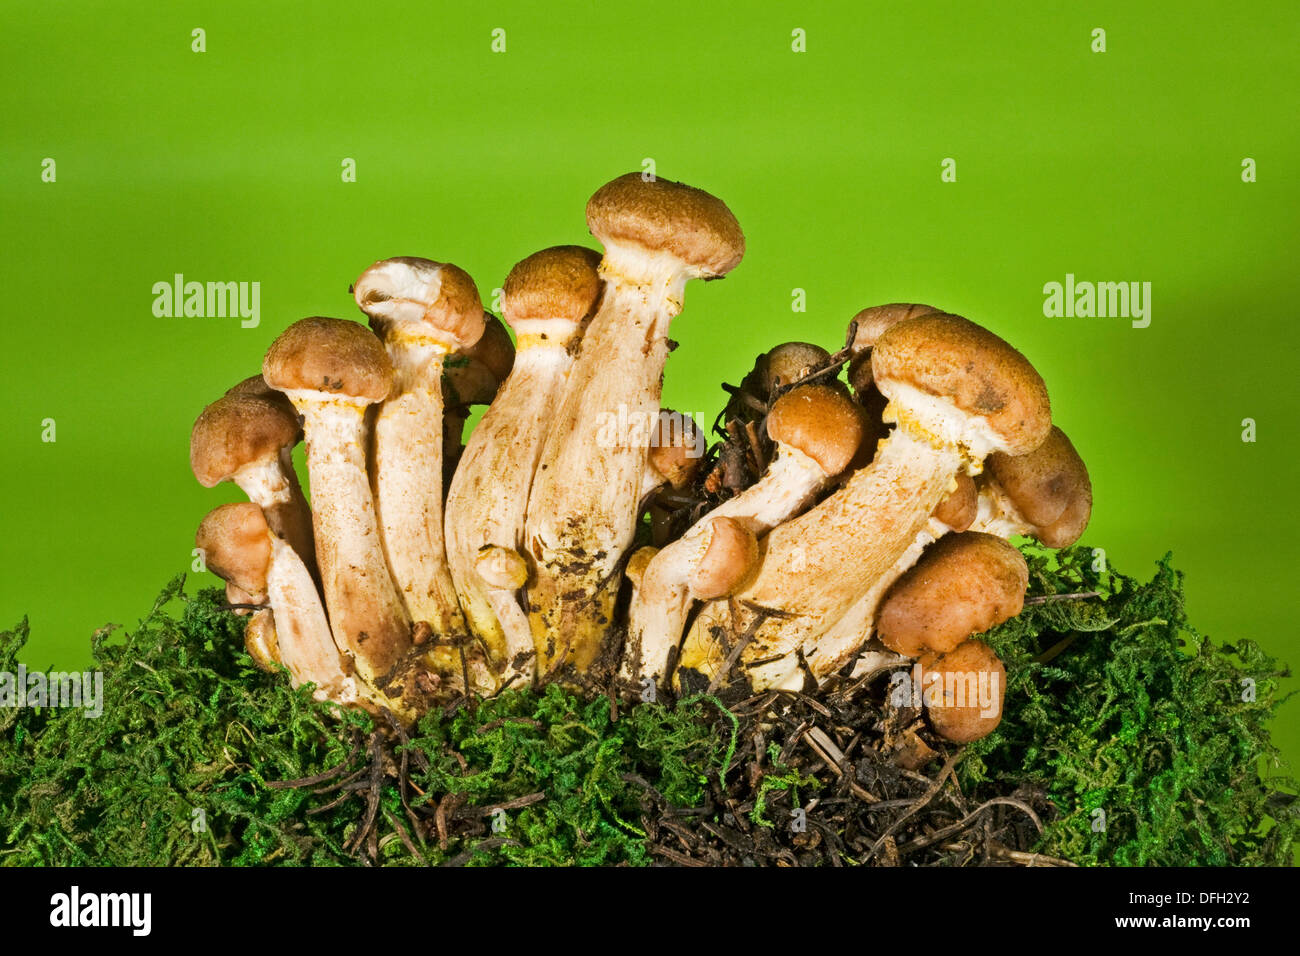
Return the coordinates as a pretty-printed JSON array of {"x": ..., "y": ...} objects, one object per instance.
[
  {"x": 675, "y": 451},
  {"x": 969, "y": 671},
  {"x": 788, "y": 363},
  {"x": 969, "y": 369},
  {"x": 871, "y": 323},
  {"x": 959, "y": 510},
  {"x": 820, "y": 421},
  {"x": 329, "y": 355},
  {"x": 661, "y": 215},
  {"x": 501, "y": 567},
  {"x": 562, "y": 282},
  {"x": 473, "y": 376},
  {"x": 407, "y": 295},
  {"x": 236, "y": 545},
  {"x": 1068, "y": 528},
  {"x": 1046, "y": 481},
  {"x": 238, "y": 429},
  {"x": 963, "y": 584},
  {"x": 727, "y": 562},
  {"x": 254, "y": 385}
]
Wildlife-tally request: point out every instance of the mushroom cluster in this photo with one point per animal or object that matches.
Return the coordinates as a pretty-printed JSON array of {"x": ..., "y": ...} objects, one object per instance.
[{"x": 844, "y": 525}]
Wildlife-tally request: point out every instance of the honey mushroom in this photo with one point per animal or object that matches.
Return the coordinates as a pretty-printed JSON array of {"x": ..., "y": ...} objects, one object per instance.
[
  {"x": 957, "y": 392},
  {"x": 423, "y": 311},
  {"x": 333, "y": 370},
  {"x": 247, "y": 436},
  {"x": 547, "y": 298},
  {"x": 583, "y": 508},
  {"x": 816, "y": 430}
]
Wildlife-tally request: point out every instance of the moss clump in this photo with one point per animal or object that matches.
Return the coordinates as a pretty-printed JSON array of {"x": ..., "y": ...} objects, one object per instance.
[
  {"x": 1113, "y": 703},
  {"x": 1118, "y": 705},
  {"x": 189, "y": 724}
]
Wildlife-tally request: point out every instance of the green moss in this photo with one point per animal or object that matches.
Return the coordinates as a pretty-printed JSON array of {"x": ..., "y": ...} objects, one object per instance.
[{"x": 1139, "y": 716}]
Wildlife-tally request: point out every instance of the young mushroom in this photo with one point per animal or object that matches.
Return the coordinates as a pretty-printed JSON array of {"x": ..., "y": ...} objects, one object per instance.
[
  {"x": 872, "y": 322},
  {"x": 583, "y": 509},
  {"x": 963, "y": 691},
  {"x": 333, "y": 371},
  {"x": 782, "y": 365},
  {"x": 239, "y": 543},
  {"x": 957, "y": 393},
  {"x": 964, "y": 584},
  {"x": 247, "y": 436},
  {"x": 817, "y": 430},
  {"x": 547, "y": 297},
  {"x": 1046, "y": 494},
  {"x": 423, "y": 311}
]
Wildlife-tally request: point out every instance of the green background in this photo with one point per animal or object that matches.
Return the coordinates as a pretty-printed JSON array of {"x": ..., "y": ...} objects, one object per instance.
[{"x": 225, "y": 165}]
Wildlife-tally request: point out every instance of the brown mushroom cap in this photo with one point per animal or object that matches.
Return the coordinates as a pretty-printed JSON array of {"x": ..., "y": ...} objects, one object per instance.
[
  {"x": 970, "y": 368},
  {"x": 236, "y": 545},
  {"x": 868, "y": 325},
  {"x": 329, "y": 355},
  {"x": 255, "y": 385},
  {"x": 675, "y": 458},
  {"x": 1045, "y": 482},
  {"x": 788, "y": 362},
  {"x": 240, "y": 428},
  {"x": 437, "y": 299},
  {"x": 473, "y": 376},
  {"x": 964, "y": 584},
  {"x": 967, "y": 670},
  {"x": 820, "y": 421},
  {"x": 959, "y": 510},
  {"x": 727, "y": 562},
  {"x": 561, "y": 282},
  {"x": 872, "y": 322},
  {"x": 1068, "y": 528},
  {"x": 660, "y": 214}
]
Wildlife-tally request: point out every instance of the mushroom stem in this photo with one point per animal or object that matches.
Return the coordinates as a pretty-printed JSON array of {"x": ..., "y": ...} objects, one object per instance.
[
  {"x": 304, "y": 640},
  {"x": 856, "y": 626},
  {"x": 488, "y": 499},
  {"x": 547, "y": 295},
  {"x": 670, "y": 585},
  {"x": 583, "y": 510},
  {"x": 376, "y": 631},
  {"x": 407, "y": 481},
  {"x": 585, "y": 497},
  {"x": 272, "y": 484},
  {"x": 816, "y": 565}
]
